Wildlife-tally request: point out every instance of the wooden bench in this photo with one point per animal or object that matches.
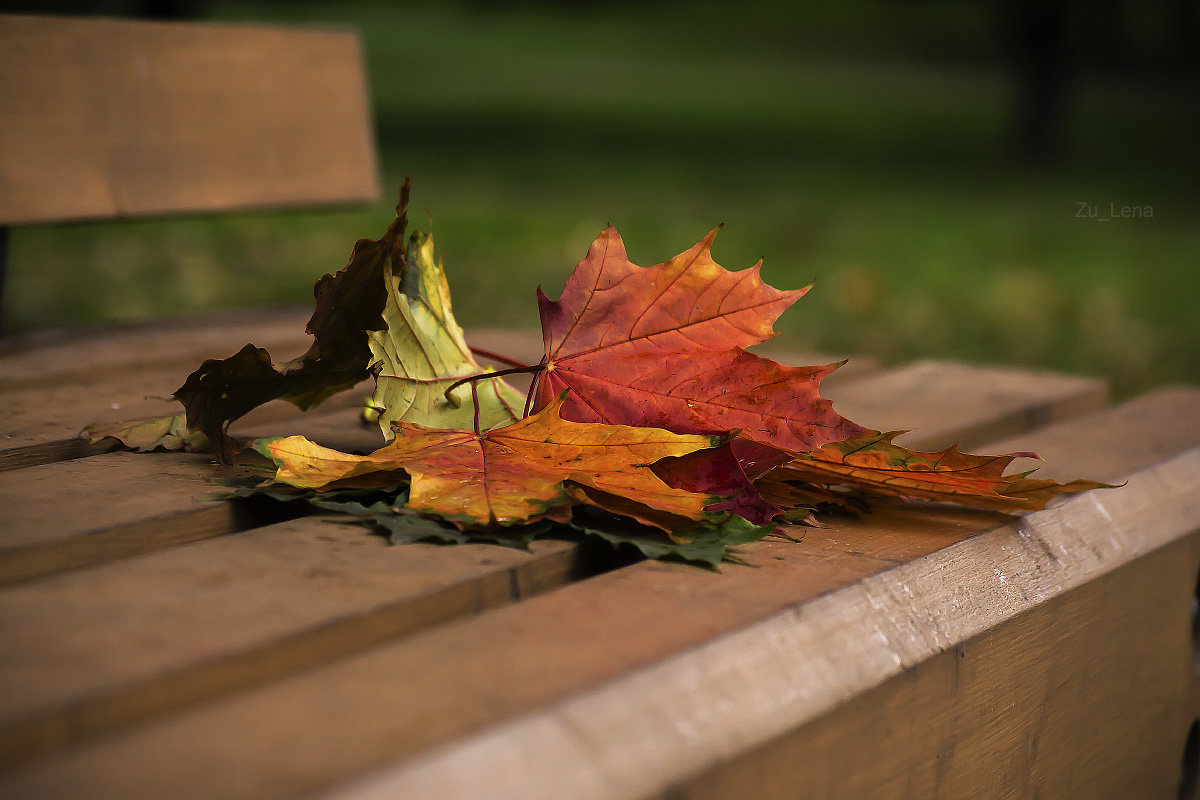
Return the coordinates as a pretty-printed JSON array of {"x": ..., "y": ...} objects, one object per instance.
[
  {"x": 105, "y": 119},
  {"x": 159, "y": 643}
]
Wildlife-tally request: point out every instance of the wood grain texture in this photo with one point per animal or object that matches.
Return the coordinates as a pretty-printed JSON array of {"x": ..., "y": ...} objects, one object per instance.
[
  {"x": 154, "y": 634},
  {"x": 1089, "y": 694},
  {"x": 47, "y": 358},
  {"x": 52, "y": 386},
  {"x": 115, "y": 118},
  {"x": 97, "y": 509},
  {"x": 123, "y": 504},
  {"x": 306, "y": 732},
  {"x": 35, "y": 421},
  {"x": 1098, "y": 685},
  {"x": 33, "y": 416},
  {"x": 948, "y": 397},
  {"x": 44, "y": 358},
  {"x": 1039, "y": 675},
  {"x": 102, "y": 705}
]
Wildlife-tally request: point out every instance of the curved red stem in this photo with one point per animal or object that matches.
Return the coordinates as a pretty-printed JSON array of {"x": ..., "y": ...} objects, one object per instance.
[
  {"x": 471, "y": 379},
  {"x": 488, "y": 354}
]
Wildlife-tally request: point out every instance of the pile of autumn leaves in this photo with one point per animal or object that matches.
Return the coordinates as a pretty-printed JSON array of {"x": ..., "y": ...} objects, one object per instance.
[{"x": 647, "y": 420}]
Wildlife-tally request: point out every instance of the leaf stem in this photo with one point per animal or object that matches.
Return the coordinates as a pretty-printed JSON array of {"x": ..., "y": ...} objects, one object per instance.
[
  {"x": 475, "y": 400},
  {"x": 533, "y": 387},
  {"x": 492, "y": 356},
  {"x": 482, "y": 376}
]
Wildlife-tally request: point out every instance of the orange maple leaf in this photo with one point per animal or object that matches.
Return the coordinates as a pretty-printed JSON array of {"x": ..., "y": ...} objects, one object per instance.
[
  {"x": 533, "y": 469},
  {"x": 878, "y": 465}
]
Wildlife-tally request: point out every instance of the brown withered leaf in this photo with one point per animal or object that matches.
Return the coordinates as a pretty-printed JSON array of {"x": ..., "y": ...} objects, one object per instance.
[{"x": 348, "y": 305}]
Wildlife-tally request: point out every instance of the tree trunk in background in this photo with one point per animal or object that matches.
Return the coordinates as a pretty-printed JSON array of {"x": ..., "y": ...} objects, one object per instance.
[{"x": 1036, "y": 31}]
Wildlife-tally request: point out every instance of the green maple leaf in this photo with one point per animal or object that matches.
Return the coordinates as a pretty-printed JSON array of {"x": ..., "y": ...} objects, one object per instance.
[{"x": 703, "y": 544}]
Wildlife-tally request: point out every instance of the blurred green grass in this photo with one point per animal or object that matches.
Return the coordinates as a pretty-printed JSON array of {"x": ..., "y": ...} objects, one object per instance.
[{"x": 883, "y": 174}]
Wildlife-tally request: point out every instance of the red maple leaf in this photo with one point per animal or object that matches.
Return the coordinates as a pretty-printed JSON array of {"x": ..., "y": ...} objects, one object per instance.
[{"x": 662, "y": 347}]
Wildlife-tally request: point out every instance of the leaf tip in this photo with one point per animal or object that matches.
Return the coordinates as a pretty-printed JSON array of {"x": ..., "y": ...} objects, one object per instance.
[
  {"x": 405, "y": 190},
  {"x": 263, "y": 446}
]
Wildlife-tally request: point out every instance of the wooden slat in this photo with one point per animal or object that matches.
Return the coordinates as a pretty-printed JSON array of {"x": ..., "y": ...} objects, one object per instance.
[
  {"x": 1014, "y": 706},
  {"x": 34, "y": 424},
  {"x": 393, "y": 702},
  {"x": 45, "y": 358},
  {"x": 113, "y": 118},
  {"x": 158, "y": 633},
  {"x": 98, "y": 709},
  {"x": 1089, "y": 694},
  {"x": 727, "y": 695},
  {"x": 45, "y": 415},
  {"x": 946, "y": 396},
  {"x": 273, "y": 419},
  {"x": 54, "y": 383},
  {"x": 49, "y": 358},
  {"x": 121, "y": 504},
  {"x": 152, "y": 513}
]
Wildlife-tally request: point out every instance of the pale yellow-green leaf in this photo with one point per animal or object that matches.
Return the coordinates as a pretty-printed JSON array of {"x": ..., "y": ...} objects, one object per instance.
[
  {"x": 168, "y": 433},
  {"x": 423, "y": 352}
]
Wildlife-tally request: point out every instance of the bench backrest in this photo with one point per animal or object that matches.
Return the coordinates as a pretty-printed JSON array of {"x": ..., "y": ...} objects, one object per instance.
[{"x": 103, "y": 118}]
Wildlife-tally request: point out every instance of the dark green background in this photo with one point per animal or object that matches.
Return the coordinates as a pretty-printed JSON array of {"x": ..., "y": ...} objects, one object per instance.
[{"x": 867, "y": 145}]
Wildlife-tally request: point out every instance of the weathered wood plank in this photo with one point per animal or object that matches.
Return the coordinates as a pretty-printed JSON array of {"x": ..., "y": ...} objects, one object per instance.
[
  {"x": 121, "y": 504},
  {"x": 70, "y": 515},
  {"x": 1013, "y": 705},
  {"x": 44, "y": 358},
  {"x": 946, "y": 396},
  {"x": 973, "y": 721},
  {"x": 1089, "y": 694},
  {"x": 47, "y": 358},
  {"x": 390, "y": 704},
  {"x": 93, "y": 651},
  {"x": 1099, "y": 683},
  {"x": 57, "y": 450},
  {"x": 115, "y": 118},
  {"x": 216, "y": 556},
  {"x": 52, "y": 392}
]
